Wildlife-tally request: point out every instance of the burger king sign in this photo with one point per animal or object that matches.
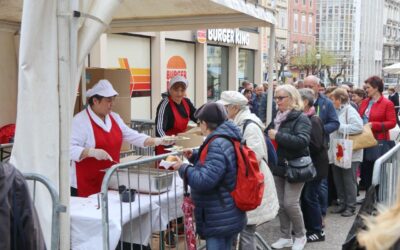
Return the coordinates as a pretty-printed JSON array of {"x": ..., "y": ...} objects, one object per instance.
[{"x": 176, "y": 66}]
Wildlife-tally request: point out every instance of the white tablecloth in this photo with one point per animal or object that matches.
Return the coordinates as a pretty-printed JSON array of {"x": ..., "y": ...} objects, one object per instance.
[{"x": 155, "y": 213}]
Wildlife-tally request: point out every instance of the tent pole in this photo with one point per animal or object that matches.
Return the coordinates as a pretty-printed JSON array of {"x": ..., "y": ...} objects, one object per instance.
[
  {"x": 271, "y": 59},
  {"x": 65, "y": 114}
]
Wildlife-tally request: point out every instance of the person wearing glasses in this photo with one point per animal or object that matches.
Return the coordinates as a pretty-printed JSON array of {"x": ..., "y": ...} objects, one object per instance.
[
  {"x": 96, "y": 139},
  {"x": 291, "y": 131}
]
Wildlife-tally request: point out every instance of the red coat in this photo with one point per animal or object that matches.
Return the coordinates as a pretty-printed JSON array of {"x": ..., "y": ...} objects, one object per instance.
[{"x": 382, "y": 112}]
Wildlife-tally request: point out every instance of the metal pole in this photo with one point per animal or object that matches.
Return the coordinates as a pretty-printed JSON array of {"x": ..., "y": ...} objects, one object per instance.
[
  {"x": 271, "y": 59},
  {"x": 65, "y": 113}
]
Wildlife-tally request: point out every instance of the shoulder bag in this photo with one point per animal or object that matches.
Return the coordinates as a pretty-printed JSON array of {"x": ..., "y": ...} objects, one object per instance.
[
  {"x": 300, "y": 170},
  {"x": 383, "y": 146}
]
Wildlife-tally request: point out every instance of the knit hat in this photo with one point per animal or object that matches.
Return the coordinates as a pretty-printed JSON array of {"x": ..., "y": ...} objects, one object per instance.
[
  {"x": 211, "y": 112},
  {"x": 178, "y": 79}
]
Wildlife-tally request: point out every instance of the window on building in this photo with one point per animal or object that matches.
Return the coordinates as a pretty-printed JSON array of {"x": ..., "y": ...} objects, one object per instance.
[
  {"x": 246, "y": 65},
  {"x": 303, "y": 24},
  {"x": 310, "y": 24},
  {"x": 302, "y": 48},
  {"x": 296, "y": 23},
  {"x": 217, "y": 71},
  {"x": 295, "y": 48},
  {"x": 304, "y": 2},
  {"x": 282, "y": 19},
  {"x": 310, "y": 3}
]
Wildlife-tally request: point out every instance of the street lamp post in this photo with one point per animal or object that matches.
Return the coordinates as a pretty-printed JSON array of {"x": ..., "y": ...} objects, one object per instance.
[
  {"x": 344, "y": 60},
  {"x": 282, "y": 61},
  {"x": 318, "y": 57}
]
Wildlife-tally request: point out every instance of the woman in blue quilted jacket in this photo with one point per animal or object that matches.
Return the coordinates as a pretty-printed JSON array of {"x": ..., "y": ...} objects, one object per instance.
[{"x": 218, "y": 220}]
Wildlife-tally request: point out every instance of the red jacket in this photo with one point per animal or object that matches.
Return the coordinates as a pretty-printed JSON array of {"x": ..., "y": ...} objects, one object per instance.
[{"x": 382, "y": 113}]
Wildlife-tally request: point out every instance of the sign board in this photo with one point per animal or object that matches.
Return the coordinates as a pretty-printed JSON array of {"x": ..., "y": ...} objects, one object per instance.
[{"x": 230, "y": 36}]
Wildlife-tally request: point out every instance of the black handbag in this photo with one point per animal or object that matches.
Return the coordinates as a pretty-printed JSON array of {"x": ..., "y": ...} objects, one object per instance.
[
  {"x": 383, "y": 146},
  {"x": 300, "y": 170}
]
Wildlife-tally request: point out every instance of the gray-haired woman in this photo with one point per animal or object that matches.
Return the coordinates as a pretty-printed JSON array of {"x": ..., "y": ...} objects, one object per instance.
[
  {"x": 310, "y": 204},
  {"x": 252, "y": 129}
]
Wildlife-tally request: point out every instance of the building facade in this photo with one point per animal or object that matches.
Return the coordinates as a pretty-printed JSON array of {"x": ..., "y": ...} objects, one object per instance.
[
  {"x": 302, "y": 20},
  {"x": 391, "y": 37},
  {"x": 371, "y": 43},
  {"x": 281, "y": 36},
  {"x": 338, "y": 32},
  {"x": 212, "y": 60}
]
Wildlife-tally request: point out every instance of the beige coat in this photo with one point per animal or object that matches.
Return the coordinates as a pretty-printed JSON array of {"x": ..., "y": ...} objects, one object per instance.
[{"x": 255, "y": 140}]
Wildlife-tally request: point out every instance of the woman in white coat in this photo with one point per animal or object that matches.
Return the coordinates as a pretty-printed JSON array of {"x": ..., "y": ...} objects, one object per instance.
[
  {"x": 345, "y": 179},
  {"x": 237, "y": 108},
  {"x": 96, "y": 139}
]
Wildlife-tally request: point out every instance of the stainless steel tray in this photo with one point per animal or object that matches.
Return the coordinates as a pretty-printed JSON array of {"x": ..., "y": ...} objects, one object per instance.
[{"x": 143, "y": 179}]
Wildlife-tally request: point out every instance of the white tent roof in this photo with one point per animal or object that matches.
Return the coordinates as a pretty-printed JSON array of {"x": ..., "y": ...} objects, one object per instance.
[
  {"x": 156, "y": 15},
  {"x": 392, "y": 69}
]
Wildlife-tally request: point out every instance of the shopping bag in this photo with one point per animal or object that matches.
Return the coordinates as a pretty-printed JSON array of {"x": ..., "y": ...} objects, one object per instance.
[
  {"x": 342, "y": 152},
  {"x": 188, "y": 209}
]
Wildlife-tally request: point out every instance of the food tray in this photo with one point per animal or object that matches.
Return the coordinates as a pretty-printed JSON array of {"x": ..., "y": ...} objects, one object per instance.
[
  {"x": 175, "y": 138},
  {"x": 143, "y": 179}
]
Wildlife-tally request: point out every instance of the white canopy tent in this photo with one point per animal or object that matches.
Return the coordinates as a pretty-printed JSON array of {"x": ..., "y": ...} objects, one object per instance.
[
  {"x": 56, "y": 37},
  {"x": 392, "y": 69}
]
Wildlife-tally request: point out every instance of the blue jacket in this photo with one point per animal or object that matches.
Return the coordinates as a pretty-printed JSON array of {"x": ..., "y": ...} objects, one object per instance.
[
  {"x": 210, "y": 185},
  {"x": 260, "y": 109},
  {"x": 326, "y": 111}
]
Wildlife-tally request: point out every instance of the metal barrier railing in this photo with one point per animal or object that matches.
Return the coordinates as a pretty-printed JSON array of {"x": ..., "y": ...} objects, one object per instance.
[
  {"x": 157, "y": 202},
  {"x": 57, "y": 208},
  {"x": 5, "y": 151},
  {"x": 144, "y": 126},
  {"x": 386, "y": 175}
]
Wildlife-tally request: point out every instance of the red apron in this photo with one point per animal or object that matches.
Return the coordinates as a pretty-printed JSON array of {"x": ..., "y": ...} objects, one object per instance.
[
  {"x": 88, "y": 174},
  {"x": 180, "y": 123}
]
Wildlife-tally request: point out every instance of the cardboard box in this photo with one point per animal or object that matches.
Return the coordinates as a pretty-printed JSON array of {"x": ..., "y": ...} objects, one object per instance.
[
  {"x": 119, "y": 78},
  {"x": 196, "y": 138},
  {"x": 122, "y": 106}
]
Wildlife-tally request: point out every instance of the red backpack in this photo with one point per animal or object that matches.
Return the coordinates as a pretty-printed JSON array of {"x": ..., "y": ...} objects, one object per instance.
[{"x": 249, "y": 188}]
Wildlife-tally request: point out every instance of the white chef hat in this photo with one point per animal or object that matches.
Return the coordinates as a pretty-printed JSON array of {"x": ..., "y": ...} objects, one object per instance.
[
  {"x": 102, "y": 88},
  {"x": 233, "y": 98},
  {"x": 178, "y": 79}
]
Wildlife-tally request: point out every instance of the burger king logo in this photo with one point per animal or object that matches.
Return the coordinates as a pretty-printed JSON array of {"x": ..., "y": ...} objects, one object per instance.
[
  {"x": 176, "y": 66},
  {"x": 201, "y": 36}
]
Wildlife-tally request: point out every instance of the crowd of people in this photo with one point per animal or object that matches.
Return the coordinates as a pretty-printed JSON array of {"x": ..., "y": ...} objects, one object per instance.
[{"x": 306, "y": 119}]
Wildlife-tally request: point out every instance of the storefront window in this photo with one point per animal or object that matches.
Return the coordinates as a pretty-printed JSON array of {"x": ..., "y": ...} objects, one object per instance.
[
  {"x": 217, "y": 71},
  {"x": 246, "y": 65}
]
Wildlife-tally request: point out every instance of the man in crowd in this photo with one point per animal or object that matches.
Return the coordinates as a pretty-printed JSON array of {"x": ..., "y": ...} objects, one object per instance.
[
  {"x": 260, "y": 100},
  {"x": 326, "y": 111}
]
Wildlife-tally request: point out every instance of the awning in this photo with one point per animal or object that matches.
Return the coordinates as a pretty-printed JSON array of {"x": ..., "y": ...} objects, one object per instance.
[
  {"x": 392, "y": 69},
  {"x": 156, "y": 15}
]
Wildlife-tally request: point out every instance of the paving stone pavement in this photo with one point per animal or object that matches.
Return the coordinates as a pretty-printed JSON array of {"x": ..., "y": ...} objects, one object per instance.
[{"x": 336, "y": 230}]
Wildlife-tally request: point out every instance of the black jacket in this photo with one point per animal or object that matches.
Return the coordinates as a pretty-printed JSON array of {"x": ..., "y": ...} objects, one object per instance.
[
  {"x": 318, "y": 149},
  {"x": 19, "y": 223},
  {"x": 395, "y": 99},
  {"x": 293, "y": 137}
]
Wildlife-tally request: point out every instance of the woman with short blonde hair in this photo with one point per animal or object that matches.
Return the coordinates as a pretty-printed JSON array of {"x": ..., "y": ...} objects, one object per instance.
[
  {"x": 290, "y": 131},
  {"x": 295, "y": 102}
]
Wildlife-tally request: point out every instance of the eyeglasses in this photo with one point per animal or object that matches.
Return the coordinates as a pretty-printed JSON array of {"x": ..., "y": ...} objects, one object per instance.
[{"x": 280, "y": 98}]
